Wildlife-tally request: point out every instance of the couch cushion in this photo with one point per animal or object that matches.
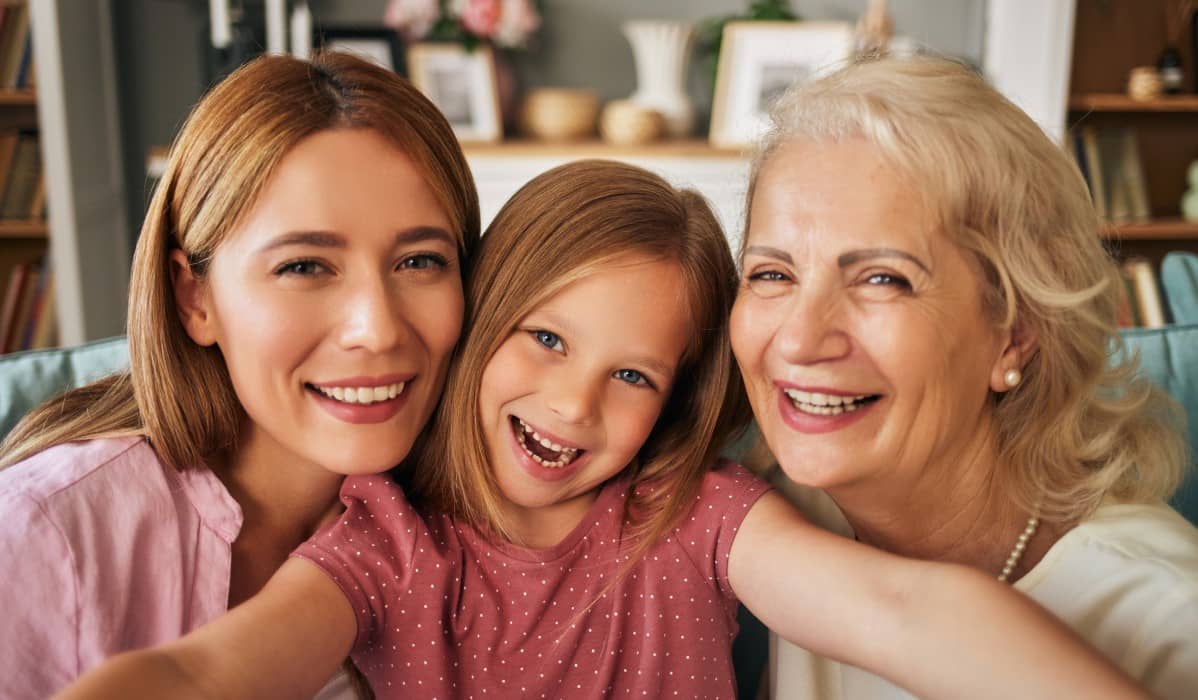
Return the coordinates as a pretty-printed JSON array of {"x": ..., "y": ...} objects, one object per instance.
[
  {"x": 1179, "y": 280},
  {"x": 29, "y": 378},
  {"x": 1169, "y": 357}
]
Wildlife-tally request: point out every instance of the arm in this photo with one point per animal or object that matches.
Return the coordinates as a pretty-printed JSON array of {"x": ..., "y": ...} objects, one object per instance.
[
  {"x": 938, "y": 630},
  {"x": 284, "y": 642},
  {"x": 39, "y": 597}
]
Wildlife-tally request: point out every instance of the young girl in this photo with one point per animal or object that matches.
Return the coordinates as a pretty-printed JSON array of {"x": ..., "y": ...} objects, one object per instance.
[
  {"x": 305, "y": 243},
  {"x": 563, "y": 534}
]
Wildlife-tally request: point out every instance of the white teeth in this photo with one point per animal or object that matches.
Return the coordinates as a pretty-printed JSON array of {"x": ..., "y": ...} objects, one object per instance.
[
  {"x": 567, "y": 454},
  {"x": 824, "y": 404},
  {"x": 363, "y": 394}
]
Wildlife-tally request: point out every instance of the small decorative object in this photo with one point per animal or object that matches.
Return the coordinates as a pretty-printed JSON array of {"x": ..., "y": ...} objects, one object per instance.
[
  {"x": 875, "y": 29},
  {"x": 1172, "y": 75},
  {"x": 1144, "y": 83},
  {"x": 626, "y": 123},
  {"x": 462, "y": 84},
  {"x": 759, "y": 60},
  {"x": 1189, "y": 201},
  {"x": 660, "y": 49},
  {"x": 379, "y": 46},
  {"x": 507, "y": 24},
  {"x": 559, "y": 114}
]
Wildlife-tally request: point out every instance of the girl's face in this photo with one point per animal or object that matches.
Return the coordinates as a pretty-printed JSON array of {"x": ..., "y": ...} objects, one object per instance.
[
  {"x": 859, "y": 326},
  {"x": 335, "y": 305},
  {"x": 569, "y": 398}
]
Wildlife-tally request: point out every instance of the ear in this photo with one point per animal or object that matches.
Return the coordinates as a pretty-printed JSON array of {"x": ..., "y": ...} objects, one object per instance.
[
  {"x": 192, "y": 301},
  {"x": 1020, "y": 345}
]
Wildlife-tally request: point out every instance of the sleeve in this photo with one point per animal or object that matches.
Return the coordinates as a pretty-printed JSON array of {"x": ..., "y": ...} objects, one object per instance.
[
  {"x": 368, "y": 551},
  {"x": 725, "y": 497},
  {"x": 1165, "y": 657},
  {"x": 39, "y": 597}
]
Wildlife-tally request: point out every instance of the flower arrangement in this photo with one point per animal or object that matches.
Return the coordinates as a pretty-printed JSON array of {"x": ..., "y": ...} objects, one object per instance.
[{"x": 504, "y": 23}]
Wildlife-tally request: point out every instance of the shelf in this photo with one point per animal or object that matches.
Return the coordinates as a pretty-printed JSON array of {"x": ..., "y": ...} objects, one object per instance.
[
  {"x": 23, "y": 229},
  {"x": 18, "y": 98},
  {"x": 1158, "y": 229},
  {"x": 1116, "y": 102},
  {"x": 675, "y": 148}
]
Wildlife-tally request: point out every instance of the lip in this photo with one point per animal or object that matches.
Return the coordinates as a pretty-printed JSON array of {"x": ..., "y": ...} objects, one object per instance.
[
  {"x": 361, "y": 414},
  {"x": 814, "y": 424},
  {"x": 535, "y": 470}
]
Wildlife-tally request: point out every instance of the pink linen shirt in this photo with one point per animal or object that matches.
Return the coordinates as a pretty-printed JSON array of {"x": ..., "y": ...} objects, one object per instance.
[
  {"x": 103, "y": 549},
  {"x": 442, "y": 612}
]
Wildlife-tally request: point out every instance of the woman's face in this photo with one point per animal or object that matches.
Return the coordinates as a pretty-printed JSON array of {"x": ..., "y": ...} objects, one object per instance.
[
  {"x": 859, "y": 325},
  {"x": 335, "y": 304}
]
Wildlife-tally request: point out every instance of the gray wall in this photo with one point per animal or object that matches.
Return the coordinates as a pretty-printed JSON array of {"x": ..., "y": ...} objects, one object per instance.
[{"x": 162, "y": 71}]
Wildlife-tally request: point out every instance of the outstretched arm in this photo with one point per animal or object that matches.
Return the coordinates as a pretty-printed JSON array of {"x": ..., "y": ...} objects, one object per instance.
[
  {"x": 938, "y": 630},
  {"x": 285, "y": 642}
]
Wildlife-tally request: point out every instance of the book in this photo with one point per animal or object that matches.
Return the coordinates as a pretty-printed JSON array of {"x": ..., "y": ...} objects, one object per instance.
[
  {"x": 45, "y": 329},
  {"x": 1125, "y": 316},
  {"x": 1094, "y": 166},
  {"x": 13, "y": 38},
  {"x": 1133, "y": 174},
  {"x": 23, "y": 175},
  {"x": 25, "y": 301},
  {"x": 12, "y": 300},
  {"x": 8, "y": 146},
  {"x": 1149, "y": 307},
  {"x": 1111, "y": 149},
  {"x": 40, "y": 287}
]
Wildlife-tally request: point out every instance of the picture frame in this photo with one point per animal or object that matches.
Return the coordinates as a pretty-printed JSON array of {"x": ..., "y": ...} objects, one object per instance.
[
  {"x": 377, "y": 45},
  {"x": 463, "y": 85},
  {"x": 758, "y": 61}
]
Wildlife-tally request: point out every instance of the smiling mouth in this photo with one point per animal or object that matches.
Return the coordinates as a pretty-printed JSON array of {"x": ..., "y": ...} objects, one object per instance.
[
  {"x": 818, "y": 404},
  {"x": 542, "y": 450},
  {"x": 361, "y": 395}
]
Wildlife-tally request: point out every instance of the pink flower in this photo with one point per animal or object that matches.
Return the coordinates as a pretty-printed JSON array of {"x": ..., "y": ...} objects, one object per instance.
[
  {"x": 480, "y": 17},
  {"x": 517, "y": 21},
  {"x": 412, "y": 18}
]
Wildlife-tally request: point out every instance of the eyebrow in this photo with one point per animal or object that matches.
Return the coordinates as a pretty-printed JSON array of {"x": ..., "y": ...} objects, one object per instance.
[
  {"x": 769, "y": 252},
  {"x": 331, "y": 239},
  {"x": 854, "y": 256}
]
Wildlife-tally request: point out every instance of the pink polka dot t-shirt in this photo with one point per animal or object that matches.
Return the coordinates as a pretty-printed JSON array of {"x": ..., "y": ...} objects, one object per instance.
[{"x": 444, "y": 613}]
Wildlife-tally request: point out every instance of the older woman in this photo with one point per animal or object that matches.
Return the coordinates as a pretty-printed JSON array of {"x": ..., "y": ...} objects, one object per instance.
[{"x": 924, "y": 327}]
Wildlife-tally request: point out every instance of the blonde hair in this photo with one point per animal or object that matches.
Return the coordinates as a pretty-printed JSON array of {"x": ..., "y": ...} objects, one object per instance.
[
  {"x": 559, "y": 227},
  {"x": 176, "y": 393},
  {"x": 1079, "y": 427}
]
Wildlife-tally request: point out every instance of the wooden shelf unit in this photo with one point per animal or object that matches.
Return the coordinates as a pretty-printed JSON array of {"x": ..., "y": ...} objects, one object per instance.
[{"x": 1110, "y": 38}]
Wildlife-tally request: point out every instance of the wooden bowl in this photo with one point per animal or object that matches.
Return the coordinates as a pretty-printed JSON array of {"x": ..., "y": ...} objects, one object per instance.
[{"x": 559, "y": 114}]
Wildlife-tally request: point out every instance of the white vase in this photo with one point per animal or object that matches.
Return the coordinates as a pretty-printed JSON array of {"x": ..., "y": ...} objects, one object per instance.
[{"x": 661, "y": 50}]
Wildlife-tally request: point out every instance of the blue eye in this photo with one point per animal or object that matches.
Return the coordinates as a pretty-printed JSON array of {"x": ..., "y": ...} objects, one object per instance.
[
  {"x": 423, "y": 261},
  {"x": 631, "y": 376},
  {"x": 548, "y": 339},
  {"x": 886, "y": 279},
  {"x": 302, "y": 268}
]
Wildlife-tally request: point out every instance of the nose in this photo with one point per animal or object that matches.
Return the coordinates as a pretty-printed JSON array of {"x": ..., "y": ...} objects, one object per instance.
[
  {"x": 811, "y": 330},
  {"x": 574, "y": 396},
  {"x": 374, "y": 317}
]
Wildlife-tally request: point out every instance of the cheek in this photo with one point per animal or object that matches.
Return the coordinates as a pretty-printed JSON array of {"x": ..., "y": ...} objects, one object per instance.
[
  {"x": 750, "y": 328},
  {"x": 438, "y": 316}
]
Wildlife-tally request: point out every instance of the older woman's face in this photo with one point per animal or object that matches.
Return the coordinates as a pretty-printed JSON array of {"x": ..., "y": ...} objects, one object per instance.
[{"x": 859, "y": 326}]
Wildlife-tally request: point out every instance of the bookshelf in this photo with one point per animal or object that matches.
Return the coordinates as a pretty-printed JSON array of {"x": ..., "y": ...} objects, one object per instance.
[{"x": 1110, "y": 38}]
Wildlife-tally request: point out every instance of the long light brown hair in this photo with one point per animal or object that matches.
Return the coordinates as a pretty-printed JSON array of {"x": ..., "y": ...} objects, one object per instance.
[
  {"x": 1079, "y": 426},
  {"x": 177, "y": 393},
  {"x": 561, "y": 226}
]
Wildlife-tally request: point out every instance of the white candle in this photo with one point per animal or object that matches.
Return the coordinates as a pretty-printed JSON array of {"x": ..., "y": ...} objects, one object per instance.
[
  {"x": 301, "y": 31},
  {"x": 218, "y": 17},
  {"x": 276, "y": 26}
]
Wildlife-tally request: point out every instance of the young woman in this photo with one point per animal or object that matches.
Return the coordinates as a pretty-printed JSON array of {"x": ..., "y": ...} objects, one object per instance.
[
  {"x": 295, "y": 297},
  {"x": 564, "y": 533}
]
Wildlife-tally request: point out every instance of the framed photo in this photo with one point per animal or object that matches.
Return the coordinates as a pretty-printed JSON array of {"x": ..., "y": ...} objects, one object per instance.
[
  {"x": 758, "y": 61},
  {"x": 462, "y": 84},
  {"x": 379, "y": 46}
]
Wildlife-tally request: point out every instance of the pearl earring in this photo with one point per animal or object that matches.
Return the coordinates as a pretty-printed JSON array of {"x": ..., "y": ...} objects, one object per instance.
[{"x": 1012, "y": 378}]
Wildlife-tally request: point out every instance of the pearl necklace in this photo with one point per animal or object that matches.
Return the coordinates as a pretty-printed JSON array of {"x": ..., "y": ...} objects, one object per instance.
[{"x": 1020, "y": 545}]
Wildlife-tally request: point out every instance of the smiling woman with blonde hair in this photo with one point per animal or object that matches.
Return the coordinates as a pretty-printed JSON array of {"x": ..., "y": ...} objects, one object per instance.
[{"x": 925, "y": 327}]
